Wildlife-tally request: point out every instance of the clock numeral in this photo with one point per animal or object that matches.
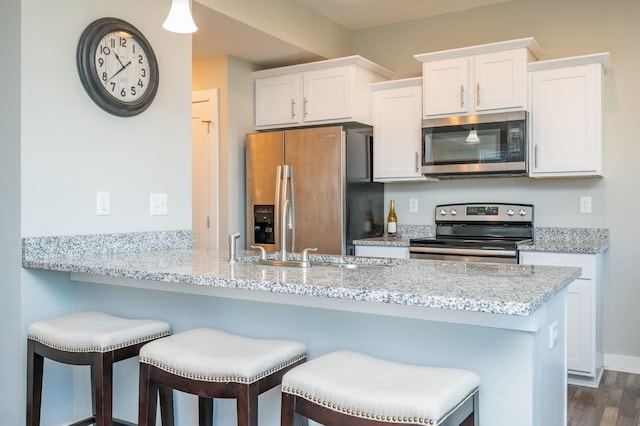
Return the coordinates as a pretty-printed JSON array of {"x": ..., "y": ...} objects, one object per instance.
[
  {"x": 113, "y": 86},
  {"x": 140, "y": 84},
  {"x": 112, "y": 41},
  {"x": 123, "y": 42},
  {"x": 105, "y": 50},
  {"x": 143, "y": 72},
  {"x": 104, "y": 76},
  {"x": 123, "y": 92},
  {"x": 134, "y": 48},
  {"x": 101, "y": 62},
  {"x": 133, "y": 90},
  {"x": 140, "y": 59}
]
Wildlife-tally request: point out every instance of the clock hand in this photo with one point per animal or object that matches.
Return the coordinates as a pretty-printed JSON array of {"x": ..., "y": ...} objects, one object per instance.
[
  {"x": 118, "y": 58},
  {"x": 120, "y": 70}
]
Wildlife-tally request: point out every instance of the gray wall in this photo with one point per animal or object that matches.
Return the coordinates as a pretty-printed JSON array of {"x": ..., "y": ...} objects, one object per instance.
[
  {"x": 10, "y": 252},
  {"x": 563, "y": 28}
]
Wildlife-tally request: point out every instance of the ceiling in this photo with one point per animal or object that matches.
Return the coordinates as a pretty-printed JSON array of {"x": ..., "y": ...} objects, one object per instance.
[{"x": 220, "y": 35}]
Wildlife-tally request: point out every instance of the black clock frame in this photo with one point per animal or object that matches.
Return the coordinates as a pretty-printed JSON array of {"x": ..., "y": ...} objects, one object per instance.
[{"x": 85, "y": 59}]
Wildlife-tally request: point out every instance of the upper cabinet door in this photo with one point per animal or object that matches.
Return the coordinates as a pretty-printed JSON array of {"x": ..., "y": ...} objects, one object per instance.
[
  {"x": 500, "y": 81},
  {"x": 566, "y": 121},
  {"x": 328, "y": 94},
  {"x": 445, "y": 85},
  {"x": 397, "y": 131},
  {"x": 278, "y": 100}
]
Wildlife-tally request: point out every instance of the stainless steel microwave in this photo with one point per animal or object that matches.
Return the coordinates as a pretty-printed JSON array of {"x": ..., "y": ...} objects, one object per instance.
[{"x": 476, "y": 145}]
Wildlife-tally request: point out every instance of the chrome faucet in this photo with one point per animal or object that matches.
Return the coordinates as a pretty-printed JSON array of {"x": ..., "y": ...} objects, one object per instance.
[{"x": 233, "y": 239}]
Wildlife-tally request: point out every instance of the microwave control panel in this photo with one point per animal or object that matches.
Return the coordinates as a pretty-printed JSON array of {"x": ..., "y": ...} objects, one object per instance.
[{"x": 516, "y": 149}]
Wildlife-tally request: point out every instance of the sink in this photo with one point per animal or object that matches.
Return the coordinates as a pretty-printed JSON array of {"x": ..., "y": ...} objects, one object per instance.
[{"x": 337, "y": 261}]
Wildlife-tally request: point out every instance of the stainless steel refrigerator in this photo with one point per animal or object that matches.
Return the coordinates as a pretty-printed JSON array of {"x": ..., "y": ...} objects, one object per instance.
[{"x": 326, "y": 193}]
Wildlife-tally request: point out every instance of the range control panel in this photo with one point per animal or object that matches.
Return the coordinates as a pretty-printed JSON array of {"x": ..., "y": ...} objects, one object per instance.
[{"x": 481, "y": 212}]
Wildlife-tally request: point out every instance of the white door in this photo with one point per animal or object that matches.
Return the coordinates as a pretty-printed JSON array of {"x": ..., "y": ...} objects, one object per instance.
[{"x": 205, "y": 157}]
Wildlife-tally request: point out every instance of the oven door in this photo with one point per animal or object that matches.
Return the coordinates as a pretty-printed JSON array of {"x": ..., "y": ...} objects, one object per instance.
[{"x": 464, "y": 255}]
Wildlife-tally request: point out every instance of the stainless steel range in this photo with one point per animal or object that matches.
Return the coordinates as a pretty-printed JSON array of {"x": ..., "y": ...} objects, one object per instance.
[{"x": 477, "y": 232}]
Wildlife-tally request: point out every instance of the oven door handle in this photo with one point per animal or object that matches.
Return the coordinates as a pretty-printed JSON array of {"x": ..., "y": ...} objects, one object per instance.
[{"x": 463, "y": 251}]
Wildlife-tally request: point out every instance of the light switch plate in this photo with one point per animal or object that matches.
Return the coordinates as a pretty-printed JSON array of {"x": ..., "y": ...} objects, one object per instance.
[
  {"x": 413, "y": 205},
  {"x": 103, "y": 206},
  {"x": 585, "y": 204},
  {"x": 158, "y": 204}
]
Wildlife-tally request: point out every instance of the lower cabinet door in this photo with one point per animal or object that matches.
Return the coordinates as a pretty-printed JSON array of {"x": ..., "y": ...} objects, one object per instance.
[{"x": 580, "y": 342}]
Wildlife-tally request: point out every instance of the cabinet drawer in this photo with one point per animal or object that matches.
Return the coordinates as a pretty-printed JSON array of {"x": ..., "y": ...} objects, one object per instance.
[{"x": 584, "y": 261}]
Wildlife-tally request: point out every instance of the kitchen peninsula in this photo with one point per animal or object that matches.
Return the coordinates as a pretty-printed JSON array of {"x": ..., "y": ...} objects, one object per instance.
[{"x": 504, "y": 322}]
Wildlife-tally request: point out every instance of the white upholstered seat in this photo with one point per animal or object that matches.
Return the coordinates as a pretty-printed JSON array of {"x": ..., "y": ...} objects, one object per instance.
[
  {"x": 214, "y": 364},
  {"x": 370, "y": 388},
  {"x": 95, "y": 332},
  {"x": 216, "y": 356}
]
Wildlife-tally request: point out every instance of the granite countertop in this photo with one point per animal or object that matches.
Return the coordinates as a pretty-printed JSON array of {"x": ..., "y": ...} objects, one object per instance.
[
  {"x": 559, "y": 240},
  {"x": 480, "y": 287}
]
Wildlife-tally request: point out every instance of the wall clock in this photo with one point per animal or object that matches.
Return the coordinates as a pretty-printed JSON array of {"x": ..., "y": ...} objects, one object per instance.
[{"x": 117, "y": 67}]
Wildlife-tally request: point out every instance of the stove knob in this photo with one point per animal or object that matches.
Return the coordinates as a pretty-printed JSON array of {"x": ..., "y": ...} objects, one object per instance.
[
  {"x": 511, "y": 212},
  {"x": 522, "y": 212},
  {"x": 454, "y": 212},
  {"x": 443, "y": 212}
]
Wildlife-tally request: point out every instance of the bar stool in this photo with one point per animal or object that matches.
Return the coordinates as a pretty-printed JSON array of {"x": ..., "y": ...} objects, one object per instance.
[
  {"x": 345, "y": 387},
  {"x": 95, "y": 339},
  {"x": 211, "y": 364}
]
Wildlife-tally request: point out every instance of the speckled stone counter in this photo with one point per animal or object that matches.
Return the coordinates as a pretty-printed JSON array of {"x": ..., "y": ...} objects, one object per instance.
[
  {"x": 559, "y": 240},
  {"x": 569, "y": 240},
  {"x": 489, "y": 288},
  {"x": 493, "y": 319}
]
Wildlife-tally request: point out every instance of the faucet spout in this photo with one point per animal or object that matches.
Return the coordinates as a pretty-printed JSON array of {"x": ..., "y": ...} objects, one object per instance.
[{"x": 233, "y": 238}]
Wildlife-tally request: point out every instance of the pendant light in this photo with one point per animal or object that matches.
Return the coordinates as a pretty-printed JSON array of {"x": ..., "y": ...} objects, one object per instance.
[
  {"x": 473, "y": 138},
  {"x": 180, "y": 19}
]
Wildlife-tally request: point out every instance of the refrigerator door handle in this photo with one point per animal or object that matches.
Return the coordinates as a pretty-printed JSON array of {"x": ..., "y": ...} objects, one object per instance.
[
  {"x": 277, "y": 203},
  {"x": 292, "y": 211}
]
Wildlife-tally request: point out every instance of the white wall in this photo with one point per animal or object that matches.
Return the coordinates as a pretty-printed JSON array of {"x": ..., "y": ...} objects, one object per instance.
[
  {"x": 71, "y": 148},
  {"x": 62, "y": 149},
  {"x": 563, "y": 28}
]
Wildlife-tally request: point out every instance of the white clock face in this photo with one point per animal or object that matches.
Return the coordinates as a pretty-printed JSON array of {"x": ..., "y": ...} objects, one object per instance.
[{"x": 122, "y": 66}]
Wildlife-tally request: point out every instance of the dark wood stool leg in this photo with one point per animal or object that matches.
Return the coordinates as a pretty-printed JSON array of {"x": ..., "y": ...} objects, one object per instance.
[
  {"x": 35, "y": 367},
  {"x": 103, "y": 388},
  {"x": 247, "y": 406},
  {"x": 205, "y": 411},
  {"x": 147, "y": 397},
  {"x": 166, "y": 405},
  {"x": 287, "y": 409}
]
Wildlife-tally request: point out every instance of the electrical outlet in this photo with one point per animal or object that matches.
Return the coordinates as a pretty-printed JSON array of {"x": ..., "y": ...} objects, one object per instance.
[
  {"x": 413, "y": 205},
  {"x": 158, "y": 204},
  {"x": 585, "y": 204},
  {"x": 103, "y": 207}
]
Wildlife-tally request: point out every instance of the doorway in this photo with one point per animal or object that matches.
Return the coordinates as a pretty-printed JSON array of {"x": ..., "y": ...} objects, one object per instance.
[{"x": 205, "y": 132}]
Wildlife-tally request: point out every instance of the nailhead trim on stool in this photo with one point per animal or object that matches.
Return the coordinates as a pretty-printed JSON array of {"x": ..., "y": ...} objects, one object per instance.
[
  {"x": 211, "y": 363},
  {"x": 364, "y": 387},
  {"x": 95, "y": 339}
]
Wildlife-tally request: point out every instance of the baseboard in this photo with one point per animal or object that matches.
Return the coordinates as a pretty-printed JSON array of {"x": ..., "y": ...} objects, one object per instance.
[{"x": 627, "y": 364}]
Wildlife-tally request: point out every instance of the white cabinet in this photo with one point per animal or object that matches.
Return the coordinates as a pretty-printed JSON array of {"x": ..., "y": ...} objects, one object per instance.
[
  {"x": 584, "y": 339},
  {"x": 324, "y": 92},
  {"x": 478, "y": 79},
  {"x": 566, "y": 116},
  {"x": 382, "y": 251},
  {"x": 397, "y": 130}
]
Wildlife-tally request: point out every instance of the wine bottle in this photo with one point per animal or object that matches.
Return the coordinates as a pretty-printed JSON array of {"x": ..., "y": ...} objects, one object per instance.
[{"x": 392, "y": 220}]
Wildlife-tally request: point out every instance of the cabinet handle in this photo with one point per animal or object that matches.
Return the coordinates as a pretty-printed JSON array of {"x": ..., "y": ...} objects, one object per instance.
[
  {"x": 417, "y": 162},
  {"x": 461, "y": 96},
  {"x": 478, "y": 94},
  {"x": 304, "y": 107},
  {"x": 293, "y": 108},
  {"x": 535, "y": 156}
]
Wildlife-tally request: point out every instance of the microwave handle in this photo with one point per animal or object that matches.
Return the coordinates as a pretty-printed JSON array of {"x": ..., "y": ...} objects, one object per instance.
[{"x": 417, "y": 162}]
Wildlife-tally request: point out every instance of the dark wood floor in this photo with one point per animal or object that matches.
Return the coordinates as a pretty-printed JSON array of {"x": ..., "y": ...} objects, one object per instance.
[{"x": 615, "y": 403}]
